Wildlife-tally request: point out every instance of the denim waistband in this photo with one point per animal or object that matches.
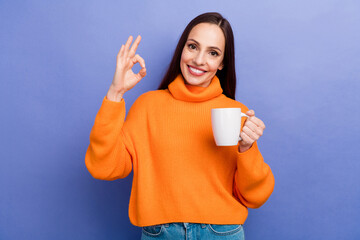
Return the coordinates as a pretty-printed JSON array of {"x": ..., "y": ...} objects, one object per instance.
[{"x": 186, "y": 224}]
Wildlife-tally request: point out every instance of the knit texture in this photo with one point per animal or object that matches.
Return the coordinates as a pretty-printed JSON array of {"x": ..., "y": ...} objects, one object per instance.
[{"x": 179, "y": 174}]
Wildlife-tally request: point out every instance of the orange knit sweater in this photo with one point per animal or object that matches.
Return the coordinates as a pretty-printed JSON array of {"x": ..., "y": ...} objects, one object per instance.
[{"x": 180, "y": 175}]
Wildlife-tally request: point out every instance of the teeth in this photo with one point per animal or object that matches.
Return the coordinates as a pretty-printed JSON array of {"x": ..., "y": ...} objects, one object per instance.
[{"x": 196, "y": 70}]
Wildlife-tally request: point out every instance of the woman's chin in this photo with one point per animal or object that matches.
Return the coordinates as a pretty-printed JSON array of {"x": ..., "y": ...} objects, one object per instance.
[{"x": 197, "y": 81}]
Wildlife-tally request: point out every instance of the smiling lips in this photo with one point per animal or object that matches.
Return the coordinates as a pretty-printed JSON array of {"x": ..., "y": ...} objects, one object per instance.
[{"x": 196, "y": 71}]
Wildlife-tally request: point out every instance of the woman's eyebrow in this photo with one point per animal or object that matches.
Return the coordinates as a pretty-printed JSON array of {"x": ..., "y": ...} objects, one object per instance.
[{"x": 199, "y": 44}]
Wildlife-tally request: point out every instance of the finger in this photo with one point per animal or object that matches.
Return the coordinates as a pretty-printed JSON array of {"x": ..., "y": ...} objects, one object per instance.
[
  {"x": 250, "y": 133},
  {"x": 245, "y": 138},
  {"x": 256, "y": 121},
  {"x": 140, "y": 60},
  {"x": 134, "y": 46},
  {"x": 121, "y": 52},
  {"x": 254, "y": 128},
  {"x": 127, "y": 44},
  {"x": 250, "y": 112},
  {"x": 142, "y": 72}
]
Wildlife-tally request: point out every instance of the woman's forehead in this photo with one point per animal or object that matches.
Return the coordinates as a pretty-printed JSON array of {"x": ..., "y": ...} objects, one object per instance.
[{"x": 208, "y": 34}]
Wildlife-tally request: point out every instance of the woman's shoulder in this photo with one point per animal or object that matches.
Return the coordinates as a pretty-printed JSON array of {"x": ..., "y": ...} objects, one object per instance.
[
  {"x": 150, "y": 98},
  {"x": 146, "y": 102},
  {"x": 153, "y": 95},
  {"x": 231, "y": 103}
]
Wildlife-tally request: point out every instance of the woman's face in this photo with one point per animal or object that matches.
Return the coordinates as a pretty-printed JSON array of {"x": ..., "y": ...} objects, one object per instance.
[{"x": 203, "y": 54}]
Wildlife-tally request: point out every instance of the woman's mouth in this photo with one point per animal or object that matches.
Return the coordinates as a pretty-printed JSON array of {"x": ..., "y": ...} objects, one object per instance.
[{"x": 196, "y": 71}]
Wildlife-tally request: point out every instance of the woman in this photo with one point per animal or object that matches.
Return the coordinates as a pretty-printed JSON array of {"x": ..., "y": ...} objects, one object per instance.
[{"x": 183, "y": 184}]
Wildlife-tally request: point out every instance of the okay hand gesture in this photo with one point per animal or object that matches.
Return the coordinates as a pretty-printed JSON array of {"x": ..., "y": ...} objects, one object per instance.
[{"x": 124, "y": 78}]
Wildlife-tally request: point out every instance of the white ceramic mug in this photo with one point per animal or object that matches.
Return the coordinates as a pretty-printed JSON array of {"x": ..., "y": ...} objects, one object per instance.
[{"x": 226, "y": 125}]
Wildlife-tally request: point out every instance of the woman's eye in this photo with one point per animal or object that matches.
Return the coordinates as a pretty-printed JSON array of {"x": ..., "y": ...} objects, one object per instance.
[
  {"x": 213, "y": 53},
  {"x": 191, "y": 46}
]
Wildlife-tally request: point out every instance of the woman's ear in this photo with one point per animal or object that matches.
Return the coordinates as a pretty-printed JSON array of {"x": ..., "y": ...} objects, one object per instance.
[{"x": 221, "y": 66}]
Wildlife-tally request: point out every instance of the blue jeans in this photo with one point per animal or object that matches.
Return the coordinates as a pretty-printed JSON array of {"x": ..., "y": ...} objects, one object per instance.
[{"x": 193, "y": 231}]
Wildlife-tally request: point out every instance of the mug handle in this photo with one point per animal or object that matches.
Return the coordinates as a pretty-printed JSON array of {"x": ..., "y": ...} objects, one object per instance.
[{"x": 242, "y": 115}]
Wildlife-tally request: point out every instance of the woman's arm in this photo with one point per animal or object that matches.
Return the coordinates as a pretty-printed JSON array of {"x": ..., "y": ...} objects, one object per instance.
[
  {"x": 253, "y": 180},
  {"x": 107, "y": 157}
]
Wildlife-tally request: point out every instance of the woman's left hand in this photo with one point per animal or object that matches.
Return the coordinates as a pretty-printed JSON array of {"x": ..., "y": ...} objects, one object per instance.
[{"x": 252, "y": 130}]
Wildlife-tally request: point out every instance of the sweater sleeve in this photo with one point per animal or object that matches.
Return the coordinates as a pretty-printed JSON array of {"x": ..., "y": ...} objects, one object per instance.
[
  {"x": 107, "y": 157},
  {"x": 253, "y": 180}
]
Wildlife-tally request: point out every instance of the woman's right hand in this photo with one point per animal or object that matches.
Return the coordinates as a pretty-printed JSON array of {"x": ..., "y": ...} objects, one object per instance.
[{"x": 124, "y": 78}]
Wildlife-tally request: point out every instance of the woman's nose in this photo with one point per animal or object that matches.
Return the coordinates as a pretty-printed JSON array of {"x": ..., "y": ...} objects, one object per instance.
[{"x": 199, "y": 59}]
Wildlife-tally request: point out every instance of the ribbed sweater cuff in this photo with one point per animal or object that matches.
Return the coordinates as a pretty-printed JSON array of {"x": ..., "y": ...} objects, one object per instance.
[
  {"x": 247, "y": 158},
  {"x": 110, "y": 111}
]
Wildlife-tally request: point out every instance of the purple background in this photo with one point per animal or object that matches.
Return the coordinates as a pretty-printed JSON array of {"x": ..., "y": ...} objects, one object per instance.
[{"x": 298, "y": 67}]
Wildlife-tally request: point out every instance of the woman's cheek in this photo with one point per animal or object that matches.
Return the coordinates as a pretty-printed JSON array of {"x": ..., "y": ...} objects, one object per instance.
[{"x": 215, "y": 65}]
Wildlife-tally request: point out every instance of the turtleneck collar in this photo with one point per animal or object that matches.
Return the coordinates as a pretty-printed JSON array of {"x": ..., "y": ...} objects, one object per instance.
[{"x": 190, "y": 93}]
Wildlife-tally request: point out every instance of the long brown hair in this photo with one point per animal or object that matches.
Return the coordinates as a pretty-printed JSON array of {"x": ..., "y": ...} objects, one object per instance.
[{"x": 227, "y": 75}]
